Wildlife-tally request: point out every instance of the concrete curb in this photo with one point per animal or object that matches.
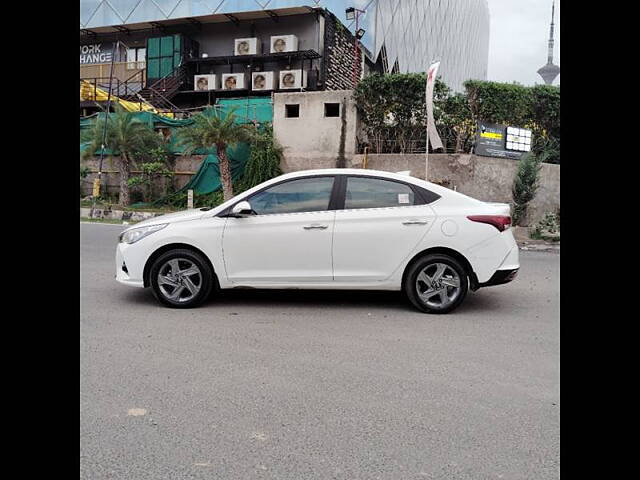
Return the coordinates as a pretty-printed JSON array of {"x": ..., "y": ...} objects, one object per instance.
[
  {"x": 540, "y": 247},
  {"x": 521, "y": 234},
  {"x": 100, "y": 213}
]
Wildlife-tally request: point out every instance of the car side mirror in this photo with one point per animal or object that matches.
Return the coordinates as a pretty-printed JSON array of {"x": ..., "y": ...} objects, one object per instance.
[{"x": 242, "y": 209}]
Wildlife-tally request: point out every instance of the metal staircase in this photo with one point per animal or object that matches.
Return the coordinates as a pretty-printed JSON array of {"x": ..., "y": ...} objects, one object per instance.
[{"x": 160, "y": 93}]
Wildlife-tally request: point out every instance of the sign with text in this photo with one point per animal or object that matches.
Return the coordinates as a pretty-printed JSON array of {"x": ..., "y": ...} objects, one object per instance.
[
  {"x": 96, "y": 53},
  {"x": 495, "y": 141}
]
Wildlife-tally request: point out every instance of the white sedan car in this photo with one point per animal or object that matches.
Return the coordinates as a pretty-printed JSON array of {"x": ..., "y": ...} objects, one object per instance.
[{"x": 326, "y": 229}]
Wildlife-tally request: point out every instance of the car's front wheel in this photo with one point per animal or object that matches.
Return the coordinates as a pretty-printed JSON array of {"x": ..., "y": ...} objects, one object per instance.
[
  {"x": 436, "y": 283},
  {"x": 181, "y": 278}
]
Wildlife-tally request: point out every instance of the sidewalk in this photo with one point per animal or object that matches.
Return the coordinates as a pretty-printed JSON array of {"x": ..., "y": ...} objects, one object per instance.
[
  {"x": 525, "y": 242},
  {"x": 126, "y": 216}
]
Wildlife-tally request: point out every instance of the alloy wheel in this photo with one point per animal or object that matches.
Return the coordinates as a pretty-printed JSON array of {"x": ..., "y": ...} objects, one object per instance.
[
  {"x": 438, "y": 285},
  {"x": 179, "y": 280}
]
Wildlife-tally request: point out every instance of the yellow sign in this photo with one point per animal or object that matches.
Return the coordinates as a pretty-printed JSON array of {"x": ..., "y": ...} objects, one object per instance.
[
  {"x": 96, "y": 187},
  {"x": 491, "y": 135}
]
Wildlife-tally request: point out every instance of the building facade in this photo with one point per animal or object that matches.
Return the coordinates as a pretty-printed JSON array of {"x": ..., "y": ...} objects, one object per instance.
[{"x": 400, "y": 35}]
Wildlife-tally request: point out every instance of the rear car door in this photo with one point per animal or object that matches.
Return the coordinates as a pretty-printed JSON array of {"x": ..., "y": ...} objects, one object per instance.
[
  {"x": 288, "y": 241},
  {"x": 381, "y": 223}
]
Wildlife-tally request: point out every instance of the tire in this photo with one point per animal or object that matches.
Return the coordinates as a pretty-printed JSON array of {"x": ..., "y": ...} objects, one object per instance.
[
  {"x": 431, "y": 298},
  {"x": 181, "y": 278}
]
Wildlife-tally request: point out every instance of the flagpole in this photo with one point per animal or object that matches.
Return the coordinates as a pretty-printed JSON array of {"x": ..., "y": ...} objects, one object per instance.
[
  {"x": 426, "y": 156},
  {"x": 432, "y": 72}
]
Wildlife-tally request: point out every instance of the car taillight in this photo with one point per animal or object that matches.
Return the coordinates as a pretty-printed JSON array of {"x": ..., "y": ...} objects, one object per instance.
[{"x": 501, "y": 222}]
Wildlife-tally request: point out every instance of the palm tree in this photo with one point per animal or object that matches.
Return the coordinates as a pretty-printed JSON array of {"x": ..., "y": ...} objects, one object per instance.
[
  {"x": 211, "y": 129},
  {"x": 126, "y": 135}
]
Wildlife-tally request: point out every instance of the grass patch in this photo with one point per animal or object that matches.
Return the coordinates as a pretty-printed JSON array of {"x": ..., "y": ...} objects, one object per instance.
[{"x": 547, "y": 229}]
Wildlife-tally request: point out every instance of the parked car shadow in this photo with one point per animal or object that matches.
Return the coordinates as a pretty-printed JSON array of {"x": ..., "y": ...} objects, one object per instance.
[
  {"x": 321, "y": 299},
  {"x": 312, "y": 298}
]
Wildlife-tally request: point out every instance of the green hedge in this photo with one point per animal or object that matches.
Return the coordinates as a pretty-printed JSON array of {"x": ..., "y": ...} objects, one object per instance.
[{"x": 392, "y": 109}]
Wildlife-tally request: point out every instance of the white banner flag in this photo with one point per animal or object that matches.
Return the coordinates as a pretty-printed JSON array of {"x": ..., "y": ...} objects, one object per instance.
[{"x": 432, "y": 133}]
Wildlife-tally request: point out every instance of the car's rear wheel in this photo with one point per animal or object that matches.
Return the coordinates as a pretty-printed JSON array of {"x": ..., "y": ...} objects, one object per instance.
[
  {"x": 436, "y": 283},
  {"x": 181, "y": 278}
]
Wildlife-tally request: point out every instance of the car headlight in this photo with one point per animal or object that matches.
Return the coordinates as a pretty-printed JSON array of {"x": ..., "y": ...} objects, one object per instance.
[{"x": 135, "y": 234}]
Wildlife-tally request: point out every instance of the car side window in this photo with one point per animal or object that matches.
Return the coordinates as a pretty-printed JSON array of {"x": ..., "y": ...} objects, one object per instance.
[
  {"x": 377, "y": 193},
  {"x": 301, "y": 195}
]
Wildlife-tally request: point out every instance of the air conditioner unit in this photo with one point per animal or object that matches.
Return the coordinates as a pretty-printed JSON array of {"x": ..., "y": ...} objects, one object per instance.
[
  {"x": 232, "y": 81},
  {"x": 284, "y": 43},
  {"x": 262, "y": 81},
  {"x": 246, "y": 46},
  {"x": 204, "y": 82},
  {"x": 291, "y": 79}
]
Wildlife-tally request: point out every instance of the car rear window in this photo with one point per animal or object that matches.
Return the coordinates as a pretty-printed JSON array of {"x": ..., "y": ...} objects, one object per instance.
[{"x": 377, "y": 193}]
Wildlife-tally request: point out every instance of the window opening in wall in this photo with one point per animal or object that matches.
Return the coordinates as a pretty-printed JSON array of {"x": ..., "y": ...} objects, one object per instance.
[
  {"x": 292, "y": 111},
  {"x": 331, "y": 109},
  {"x": 136, "y": 58}
]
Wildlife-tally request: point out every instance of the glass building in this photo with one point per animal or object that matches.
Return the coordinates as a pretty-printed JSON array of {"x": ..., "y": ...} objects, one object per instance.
[{"x": 405, "y": 34}]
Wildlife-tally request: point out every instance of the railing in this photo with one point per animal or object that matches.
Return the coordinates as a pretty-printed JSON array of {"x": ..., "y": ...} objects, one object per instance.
[
  {"x": 392, "y": 146},
  {"x": 171, "y": 82},
  {"x": 118, "y": 88},
  {"x": 132, "y": 87},
  {"x": 121, "y": 70}
]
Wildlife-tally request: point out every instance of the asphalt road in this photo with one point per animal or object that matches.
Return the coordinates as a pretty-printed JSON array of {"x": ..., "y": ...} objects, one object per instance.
[{"x": 317, "y": 385}]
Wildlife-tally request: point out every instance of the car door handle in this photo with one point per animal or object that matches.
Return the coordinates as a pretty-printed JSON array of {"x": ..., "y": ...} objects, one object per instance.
[
  {"x": 315, "y": 226},
  {"x": 415, "y": 222}
]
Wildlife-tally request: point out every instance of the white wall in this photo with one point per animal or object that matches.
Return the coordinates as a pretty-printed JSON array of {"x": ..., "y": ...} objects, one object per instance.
[{"x": 313, "y": 140}]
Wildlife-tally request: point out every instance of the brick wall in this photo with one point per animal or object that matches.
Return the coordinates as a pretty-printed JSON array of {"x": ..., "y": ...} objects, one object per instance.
[{"x": 339, "y": 51}]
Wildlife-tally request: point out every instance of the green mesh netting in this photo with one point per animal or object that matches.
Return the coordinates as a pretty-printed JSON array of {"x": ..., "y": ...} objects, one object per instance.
[{"x": 207, "y": 178}]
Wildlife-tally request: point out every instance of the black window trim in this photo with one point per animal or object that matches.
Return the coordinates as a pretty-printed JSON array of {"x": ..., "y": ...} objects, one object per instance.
[
  {"x": 333, "y": 199},
  {"x": 421, "y": 195},
  {"x": 339, "y": 192}
]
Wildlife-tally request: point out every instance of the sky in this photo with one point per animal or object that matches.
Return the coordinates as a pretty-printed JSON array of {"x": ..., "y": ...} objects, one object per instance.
[{"x": 519, "y": 40}]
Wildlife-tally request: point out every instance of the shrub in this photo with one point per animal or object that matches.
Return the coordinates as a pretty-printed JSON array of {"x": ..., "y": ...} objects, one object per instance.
[
  {"x": 144, "y": 181},
  {"x": 264, "y": 160},
  {"x": 525, "y": 186},
  {"x": 548, "y": 228}
]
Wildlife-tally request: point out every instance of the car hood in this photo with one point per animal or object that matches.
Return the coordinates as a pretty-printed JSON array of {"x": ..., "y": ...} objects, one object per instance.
[{"x": 176, "y": 217}]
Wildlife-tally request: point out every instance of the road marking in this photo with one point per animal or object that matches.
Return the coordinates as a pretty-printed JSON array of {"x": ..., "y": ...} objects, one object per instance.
[
  {"x": 259, "y": 436},
  {"x": 136, "y": 412}
]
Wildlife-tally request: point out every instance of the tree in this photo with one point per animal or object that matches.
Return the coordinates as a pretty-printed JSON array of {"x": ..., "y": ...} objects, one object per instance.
[
  {"x": 264, "y": 160},
  {"x": 126, "y": 135},
  {"x": 525, "y": 186},
  {"x": 211, "y": 129}
]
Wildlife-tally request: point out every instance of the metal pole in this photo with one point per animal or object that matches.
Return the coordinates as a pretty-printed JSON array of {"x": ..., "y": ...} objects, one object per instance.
[
  {"x": 104, "y": 131},
  {"x": 426, "y": 145},
  {"x": 426, "y": 155},
  {"x": 355, "y": 49}
]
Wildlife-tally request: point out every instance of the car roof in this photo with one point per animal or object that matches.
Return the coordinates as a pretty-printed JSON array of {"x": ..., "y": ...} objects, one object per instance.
[
  {"x": 348, "y": 171},
  {"x": 435, "y": 188},
  {"x": 366, "y": 172}
]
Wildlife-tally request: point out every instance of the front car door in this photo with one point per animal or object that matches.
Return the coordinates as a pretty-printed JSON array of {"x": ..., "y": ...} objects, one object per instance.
[
  {"x": 288, "y": 240},
  {"x": 382, "y": 222}
]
